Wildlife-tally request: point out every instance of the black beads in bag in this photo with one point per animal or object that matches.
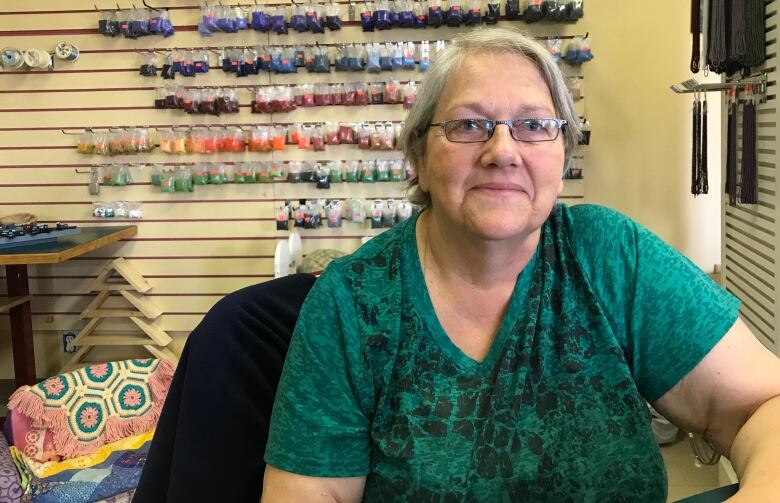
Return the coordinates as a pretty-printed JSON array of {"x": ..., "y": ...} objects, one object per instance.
[
  {"x": 533, "y": 11},
  {"x": 493, "y": 13},
  {"x": 513, "y": 9}
]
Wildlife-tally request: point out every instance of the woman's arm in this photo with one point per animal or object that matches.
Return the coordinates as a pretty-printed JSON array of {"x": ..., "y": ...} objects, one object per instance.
[
  {"x": 732, "y": 398},
  {"x": 280, "y": 486}
]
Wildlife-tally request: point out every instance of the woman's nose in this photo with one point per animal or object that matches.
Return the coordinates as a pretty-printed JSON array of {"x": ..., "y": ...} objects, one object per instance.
[{"x": 501, "y": 150}]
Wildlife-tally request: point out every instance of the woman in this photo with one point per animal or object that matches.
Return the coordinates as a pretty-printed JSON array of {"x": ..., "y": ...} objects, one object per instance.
[{"x": 500, "y": 346}]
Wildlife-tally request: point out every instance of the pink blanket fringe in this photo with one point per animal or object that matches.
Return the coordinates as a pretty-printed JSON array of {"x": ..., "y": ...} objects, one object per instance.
[{"x": 65, "y": 444}]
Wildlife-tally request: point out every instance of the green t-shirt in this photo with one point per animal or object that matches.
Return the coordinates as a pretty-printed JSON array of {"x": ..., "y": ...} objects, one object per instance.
[{"x": 604, "y": 316}]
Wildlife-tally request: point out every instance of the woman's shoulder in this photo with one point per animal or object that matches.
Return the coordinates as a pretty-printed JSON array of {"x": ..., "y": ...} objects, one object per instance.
[{"x": 592, "y": 221}]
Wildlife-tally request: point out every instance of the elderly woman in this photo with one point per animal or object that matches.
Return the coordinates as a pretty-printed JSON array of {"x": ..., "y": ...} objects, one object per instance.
[{"x": 500, "y": 346}]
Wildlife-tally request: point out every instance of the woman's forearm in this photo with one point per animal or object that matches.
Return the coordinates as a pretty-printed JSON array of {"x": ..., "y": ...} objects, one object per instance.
[{"x": 755, "y": 454}]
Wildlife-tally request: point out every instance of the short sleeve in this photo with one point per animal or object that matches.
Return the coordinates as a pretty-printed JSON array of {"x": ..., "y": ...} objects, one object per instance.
[
  {"x": 317, "y": 426},
  {"x": 666, "y": 312}
]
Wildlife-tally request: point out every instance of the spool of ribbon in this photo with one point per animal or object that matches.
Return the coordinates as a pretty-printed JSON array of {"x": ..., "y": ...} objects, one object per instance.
[
  {"x": 37, "y": 58},
  {"x": 66, "y": 51},
  {"x": 12, "y": 57}
]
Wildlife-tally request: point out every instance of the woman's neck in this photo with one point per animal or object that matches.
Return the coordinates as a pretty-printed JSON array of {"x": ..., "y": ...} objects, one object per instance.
[{"x": 458, "y": 258}]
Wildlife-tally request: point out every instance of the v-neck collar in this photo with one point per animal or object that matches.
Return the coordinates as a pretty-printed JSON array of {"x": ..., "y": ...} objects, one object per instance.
[{"x": 417, "y": 290}]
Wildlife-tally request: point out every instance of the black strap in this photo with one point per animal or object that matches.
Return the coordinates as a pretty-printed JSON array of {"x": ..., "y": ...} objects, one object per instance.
[{"x": 695, "y": 34}]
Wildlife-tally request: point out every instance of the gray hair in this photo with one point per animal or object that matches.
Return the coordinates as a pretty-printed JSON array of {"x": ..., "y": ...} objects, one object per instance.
[{"x": 485, "y": 40}]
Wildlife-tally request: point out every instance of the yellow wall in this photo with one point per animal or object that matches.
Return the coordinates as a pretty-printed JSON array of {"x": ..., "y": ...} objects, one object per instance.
[{"x": 638, "y": 161}]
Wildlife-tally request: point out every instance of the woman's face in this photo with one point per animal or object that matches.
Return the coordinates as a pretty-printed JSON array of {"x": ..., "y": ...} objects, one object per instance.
[{"x": 503, "y": 188}]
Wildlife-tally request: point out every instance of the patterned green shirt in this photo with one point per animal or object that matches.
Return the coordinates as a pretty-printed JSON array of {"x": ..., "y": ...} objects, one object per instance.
[{"x": 604, "y": 316}]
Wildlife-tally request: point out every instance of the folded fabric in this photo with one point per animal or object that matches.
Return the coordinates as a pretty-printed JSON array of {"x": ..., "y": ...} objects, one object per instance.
[
  {"x": 91, "y": 406},
  {"x": 107, "y": 480},
  {"x": 10, "y": 484},
  {"x": 35, "y": 443},
  {"x": 43, "y": 470}
]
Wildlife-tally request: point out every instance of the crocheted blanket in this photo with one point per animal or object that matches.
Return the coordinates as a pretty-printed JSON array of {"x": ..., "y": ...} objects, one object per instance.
[{"x": 91, "y": 406}]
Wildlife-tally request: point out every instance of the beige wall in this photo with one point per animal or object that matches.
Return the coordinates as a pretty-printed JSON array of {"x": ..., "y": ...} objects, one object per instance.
[{"x": 638, "y": 162}]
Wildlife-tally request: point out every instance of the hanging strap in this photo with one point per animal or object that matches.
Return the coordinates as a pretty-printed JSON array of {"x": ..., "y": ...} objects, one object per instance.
[
  {"x": 731, "y": 151},
  {"x": 749, "y": 193},
  {"x": 695, "y": 34},
  {"x": 704, "y": 184}
]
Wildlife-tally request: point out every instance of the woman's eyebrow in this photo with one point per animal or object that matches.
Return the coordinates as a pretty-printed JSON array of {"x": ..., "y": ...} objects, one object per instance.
[{"x": 524, "y": 111}]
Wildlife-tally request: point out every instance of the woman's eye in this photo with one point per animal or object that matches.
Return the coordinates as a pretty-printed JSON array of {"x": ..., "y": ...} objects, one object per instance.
[
  {"x": 533, "y": 125},
  {"x": 469, "y": 124}
]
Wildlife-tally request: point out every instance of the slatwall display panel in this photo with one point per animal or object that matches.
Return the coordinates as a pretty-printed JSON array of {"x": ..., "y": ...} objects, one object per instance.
[
  {"x": 192, "y": 247},
  {"x": 750, "y": 244}
]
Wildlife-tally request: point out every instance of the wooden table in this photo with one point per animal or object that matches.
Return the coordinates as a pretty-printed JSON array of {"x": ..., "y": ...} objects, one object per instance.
[{"x": 16, "y": 261}]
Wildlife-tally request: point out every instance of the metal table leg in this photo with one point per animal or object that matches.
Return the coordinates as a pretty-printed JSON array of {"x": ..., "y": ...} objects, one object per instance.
[{"x": 21, "y": 325}]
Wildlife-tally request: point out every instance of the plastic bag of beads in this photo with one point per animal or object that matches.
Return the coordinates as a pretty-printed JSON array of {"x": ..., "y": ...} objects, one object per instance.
[
  {"x": 420, "y": 13},
  {"x": 277, "y": 170},
  {"x": 357, "y": 61},
  {"x": 278, "y": 20},
  {"x": 408, "y": 49},
  {"x": 381, "y": 15},
  {"x": 282, "y": 217},
  {"x": 346, "y": 133},
  {"x": 392, "y": 93},
  {"x": 396, "y": 51},
  {"x": 321, "y": 60},
  {"x": 425, "y": 55},
  {"x": 574, "y": 10},
  {"x": 279, "y": 138},
  {"x": 377, "y": 93},
  {"x": 385, "y": 57},
  {"x": 513, "y": 9},
  {"x": 298, "y": 18},
  {"x": 259, "y": 139},
  {"x": 372, "y": 58},
  {"x": 554, "y": 10},
  {"x": 435, "y": 13},
  {"x": 322, "y": 96},
  {"x": 382, "y": 171},
  {"x": 318, "y": 139},
  {"x": 334, "y": 171},
  {"x": 217, "y": 174},
  {"x": 367, "y": 17},
  {"x": 241, "y": 17},
  {"x": 532, "y": 11},
  {"x": 263, "y": 172},
  {"x": 208, "y": 17},
  {"x": 314, "y": 20},
  {"x": 336, "y": 92},
  {"x": 474, "y": 14},
  {"x": 333, "y": 17},
  {"x": 454, "y": 14},
  {"x": 409, "y": 93},
  {"x": 352, "y": 172},
  {"x": 334, "y": 213},
  {"x": 86, "y": 144},
  {"x": 368, "y": 171},
  {"x": 148, "y": 66},
  {"x": 331, "y": 133},
  {"x": 342, "y": 58},
  {"x": 182, "y": 180},
  {"x": 321, "y": 177},
  {"x": 200, "y": 173},
  {"x": 363, "y": 137},
  {"x": 191, "y": 100},
  {"x": 294, "y": 172},
  {"x": 240, "y": 172},
  {"x": 405, "y": 14},
  {"x": 103, "y": 23},
  {"x": 261, "y": 20}
]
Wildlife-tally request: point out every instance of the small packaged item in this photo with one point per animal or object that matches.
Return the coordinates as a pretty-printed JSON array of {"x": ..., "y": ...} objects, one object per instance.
[
  {"x": 377, "y": 93},
  {"x": 392, "y": 93},
  {"x": 389, "y": 213},
  {"x": 334, "y": 214},
  {"x": 217, "y": 174},
  {"x": 513, "y": 9},
  {"x": 376, "y": 214},
  {"x": 357, "y": 211},
  {"x": 86, "y": 143},
  {"x": 454, "y": 13},
  {"x": 262, "y": 171},
  {"x": 298, "y": 18},
  {"x": 368, "y": 171},
  {"x": 278, "y": 22},
  {"x": 322, "y": 177},
  {"x": 243, "y": 172},
  {"x": 334, "y": 171},
  {"x": 533, "y": 11},
  {"x": 261, "y": 20},
  {"x": 420, "y": 14},
  {"x": 294, "y": 172},
  {"x": 409, "y": 92},
  {"x": 148, "y": 64},
  {"x": 574, "y": 10},
  {"x": 282, "y": 217},
  {"x": 314, "y": 21},
  {"x": 435, "y": 13},
  {"x": 331, "y": 134},
  {"x": 382, "y": 171},
  {"x": 318, "y": 139},
  {"x": 280, "y": 135},
  {"x": 346, "y": 133},
  {"x": 200, "y": 174},
  {"x": 474, "y": 14},
  {"x": 425, "y": 55},
  {"x": 352, "y": 174},
  {"x": 333, "y": 17},
  {"x": 367, "y": 17},
  {"x": 381, "y": 15},
  {"x": 404, "y": 211}
]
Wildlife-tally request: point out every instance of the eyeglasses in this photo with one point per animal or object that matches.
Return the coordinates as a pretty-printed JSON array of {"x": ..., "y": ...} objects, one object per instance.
[{"x": 481, "y": 130}]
